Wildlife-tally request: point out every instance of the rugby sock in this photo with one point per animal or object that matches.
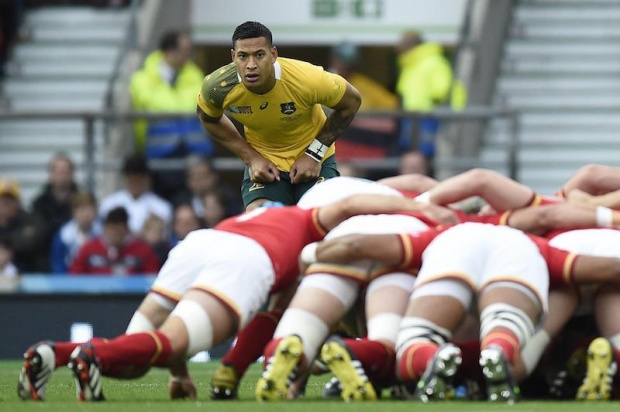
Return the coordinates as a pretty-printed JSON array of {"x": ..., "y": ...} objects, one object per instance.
[
  {"x": 377, "y": 359},
  {"x": 414, "y": 360},
  {"x": 142, "y": 349},
  {"x": 251, "y": 341},
  {"x": 270, "y": 350},
  {"x": 506, "y": 340},
  {"x": 63, "y": 350}
]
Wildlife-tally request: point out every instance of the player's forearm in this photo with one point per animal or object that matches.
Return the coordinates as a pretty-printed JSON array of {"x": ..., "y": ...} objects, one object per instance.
[
  {"x": 224, "y": 132},
  {"x": 340, "y": 117},
  {"x": 346, "y": 249}
]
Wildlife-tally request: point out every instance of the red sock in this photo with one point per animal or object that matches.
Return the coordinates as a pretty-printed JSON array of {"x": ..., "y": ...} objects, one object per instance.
[
  {"x": 139, "y": 350},
  {"x": 506, "y": 340},
  {"x": 616, "y": 357},
  {"x": 377, "y": 359},
  {"x": 470, "y": 351},
  {"x": 270, "y": 349},
  {"x": 63, "y": 352},
  {"x": 414, "y": 360},
  {"x": 251, "y": 341}
]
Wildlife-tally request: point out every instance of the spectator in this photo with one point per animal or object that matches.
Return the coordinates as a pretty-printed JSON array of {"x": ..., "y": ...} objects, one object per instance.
[
  {"x": 53, "y": 204},
  {"x": 9, "y": 275},
  {"x": 349, "y": 169},
  {"x": 214, "y": 208},
  {"x": 413, "y": 161},
  {"x": 116, "y": 251},
  {"x": 24, "y": 230},
  {"x": 154, "y": 233},
  {"x": 366, "y": 137},
  {"x": 425, "y": 81},
  {"x": 201, "y": 176},
  {"x": 83, "y": 227},
  {"x": 7, "y": 268},
  {"x": 185, "y": 221},
  {"x": 168, "y": 83},
  {"x": 137, "y": 198}
]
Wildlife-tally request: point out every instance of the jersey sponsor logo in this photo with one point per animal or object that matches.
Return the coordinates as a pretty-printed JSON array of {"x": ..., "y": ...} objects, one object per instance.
[
  {"x": 319, "y": 179},
  {"x": 240, "y": 109},
  {"x": 256, "y": 186},
  {"x": 288, "y": 108},
  {"x": 264, "y": 105}
]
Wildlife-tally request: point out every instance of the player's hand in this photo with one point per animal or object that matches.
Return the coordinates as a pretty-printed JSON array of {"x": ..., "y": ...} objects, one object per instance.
[
  {"x": 305, "y": 168},
  {"x": 263, "y": 170},
  {"x": 181, "y": 388},
  {"x": 580, "y": 198},
  {"x": 443, "y": 215}
]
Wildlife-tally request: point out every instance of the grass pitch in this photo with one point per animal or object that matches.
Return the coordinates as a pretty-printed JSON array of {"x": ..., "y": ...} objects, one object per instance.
[{"x": 150, "y": 394}]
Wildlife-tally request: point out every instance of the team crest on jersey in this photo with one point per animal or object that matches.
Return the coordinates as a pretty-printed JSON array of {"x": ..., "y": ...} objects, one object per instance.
[
  {"x": 264, "y": 105},
  {"x": 240, "y": 109},
  {"x": 288, "y": 108}
]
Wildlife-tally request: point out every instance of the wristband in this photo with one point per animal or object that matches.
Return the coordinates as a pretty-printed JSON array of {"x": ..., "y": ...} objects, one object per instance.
[
  {"x": 308, "y": 253},
  {"x": 316, "y": 150},
  {"x": 604, "y": 216}
]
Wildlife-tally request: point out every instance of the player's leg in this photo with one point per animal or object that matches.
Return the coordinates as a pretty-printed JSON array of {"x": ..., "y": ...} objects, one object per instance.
[
  {"x": 507, "y": 320},
  {"x": 361, "y": 365},
  {"x": 512, "y": 301},
  {"x": 249, "y": 346},
  {"x": 603, "y": 353},
  {"x": 423, "y": 353},
  {"x": 320, "y": 301},
  {"x": 183, "y": 265},
  {"x": 256, "y": 194}
]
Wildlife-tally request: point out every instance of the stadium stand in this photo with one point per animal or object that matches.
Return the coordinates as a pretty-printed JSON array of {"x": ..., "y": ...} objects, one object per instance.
[
  {"x": 62, "y": 60},
  {"x": 563, "y": 79}
]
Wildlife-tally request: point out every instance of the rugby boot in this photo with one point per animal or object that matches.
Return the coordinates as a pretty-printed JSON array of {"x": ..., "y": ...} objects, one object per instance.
[
  {"x": 39, "y": 363},
  {"x": 436, "y": 381},
  {"x": 601, "y": 369}
]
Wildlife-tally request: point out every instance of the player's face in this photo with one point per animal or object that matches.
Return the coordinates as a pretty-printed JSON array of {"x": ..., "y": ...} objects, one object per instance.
[{"x": 254, "y": 59}]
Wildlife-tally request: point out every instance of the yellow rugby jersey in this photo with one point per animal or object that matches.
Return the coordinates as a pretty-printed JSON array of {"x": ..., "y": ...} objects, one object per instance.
[{"x": 282, "y": 123}]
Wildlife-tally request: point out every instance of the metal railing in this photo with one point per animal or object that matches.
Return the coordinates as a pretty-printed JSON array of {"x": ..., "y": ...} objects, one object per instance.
[{"x": 231, "y": 163}]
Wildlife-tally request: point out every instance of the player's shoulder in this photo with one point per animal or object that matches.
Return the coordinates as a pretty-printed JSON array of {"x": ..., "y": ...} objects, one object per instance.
[
  {"x": 217, "y": 84},
  {"x": 298, "y": 67}
]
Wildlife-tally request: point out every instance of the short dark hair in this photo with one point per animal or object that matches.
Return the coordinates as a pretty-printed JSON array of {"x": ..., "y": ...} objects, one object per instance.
[
  {"x": 251, "y": 30},
  {"x": 117, "y": 215},
  {"x": 136, "y": 164},
  {"x": 170, "y": 39}
]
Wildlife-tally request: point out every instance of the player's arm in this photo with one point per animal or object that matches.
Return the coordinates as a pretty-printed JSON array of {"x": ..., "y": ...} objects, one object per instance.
[
  {"x": 500, "y": 192},
  {"x": 384, "y": 248},
  {"x": 413, "y": 182},
  {"x": 579, "y": 197},
  {"x": 594, "y": 179},
  {"x": 341, "y": 116},
  {"x": 331, "y": 215},
  {"x": 540, "y": 219},
  {"x": 224, "y": 132},
  {"x": 589, "y": 270}
]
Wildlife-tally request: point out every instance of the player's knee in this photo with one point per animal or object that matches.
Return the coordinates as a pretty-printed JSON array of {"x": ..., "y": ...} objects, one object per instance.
[
  {"x": 504, "y": 316},
  {"x": 344, "y": 290},
  {"x": 198, "y": 326},
  {"x": 416, "y": 333},
  {"x": 414, "y": 330}
]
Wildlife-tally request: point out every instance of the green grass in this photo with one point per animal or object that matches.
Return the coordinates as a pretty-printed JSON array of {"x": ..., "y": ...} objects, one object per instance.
[{"x": 150, "y": 394}]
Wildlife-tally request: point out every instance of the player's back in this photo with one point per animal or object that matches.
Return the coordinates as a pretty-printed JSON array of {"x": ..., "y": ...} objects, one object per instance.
[{"x": 282, "y": 231}]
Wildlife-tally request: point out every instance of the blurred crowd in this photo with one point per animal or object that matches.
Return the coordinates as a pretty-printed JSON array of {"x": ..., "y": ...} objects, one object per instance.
[{"x": 68, "y": 230}]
